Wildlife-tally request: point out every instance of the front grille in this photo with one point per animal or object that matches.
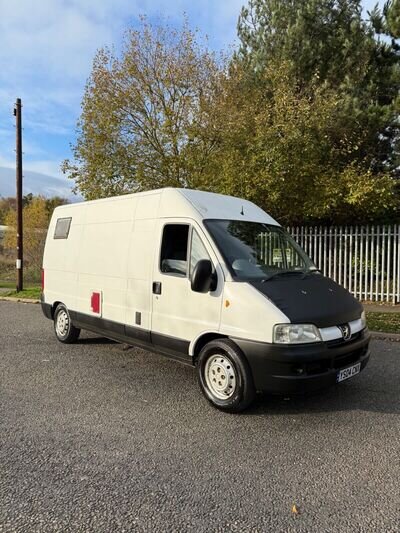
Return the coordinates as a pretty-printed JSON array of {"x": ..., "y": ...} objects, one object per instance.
[{"x": 340, "y": 341}]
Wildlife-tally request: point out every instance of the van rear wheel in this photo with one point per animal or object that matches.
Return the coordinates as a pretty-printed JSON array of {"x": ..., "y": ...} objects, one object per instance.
[
  {"x": 65, "y": 331},
  {"x": 225, "y": 376}
]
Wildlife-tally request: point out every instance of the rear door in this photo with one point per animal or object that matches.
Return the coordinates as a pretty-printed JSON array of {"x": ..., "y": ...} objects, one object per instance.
[{"x": 180, "y": 315}]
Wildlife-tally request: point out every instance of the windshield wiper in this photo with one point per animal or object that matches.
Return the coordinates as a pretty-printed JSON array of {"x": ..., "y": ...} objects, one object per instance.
[
  {"x": 282, "y": 273},
  {"x": 303, "y": 273}
]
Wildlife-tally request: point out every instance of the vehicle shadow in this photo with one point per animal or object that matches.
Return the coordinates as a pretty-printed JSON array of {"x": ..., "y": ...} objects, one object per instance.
[
  {"x": 95, "y": 340},
  {"x": 379, "y": 397},
  {"x": 376, "y": 389}
]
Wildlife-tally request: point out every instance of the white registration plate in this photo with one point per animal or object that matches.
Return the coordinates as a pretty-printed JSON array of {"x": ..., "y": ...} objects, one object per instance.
[{"x": 348, "y": 372}]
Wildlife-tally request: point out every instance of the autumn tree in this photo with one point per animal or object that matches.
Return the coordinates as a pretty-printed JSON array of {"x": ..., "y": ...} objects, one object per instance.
[
  {"x": 144, "y": 121},
  {"x": 284, "y": 147},
  {"x": 303, "y": 120},
  {"x": 36, "y": 216},
  {"x": 5, "y": 205}
]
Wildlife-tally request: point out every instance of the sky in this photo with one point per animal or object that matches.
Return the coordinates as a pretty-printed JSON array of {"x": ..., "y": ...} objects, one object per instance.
[{"x": 46, "y": 53}]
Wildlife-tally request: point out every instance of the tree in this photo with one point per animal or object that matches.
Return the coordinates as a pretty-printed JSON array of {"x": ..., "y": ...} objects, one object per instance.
[
  {"x": 387, "y": 21},
  {"x": 36, "y": 216},
  {"x": 329, "y": 39},
  {"x": 5, "y": 205},
  {"x": 144, "y": 121},
  {"x": 53, "y": 202},
  {"x": 302, "y": 120},
  {"x": 283, "y": 147}
]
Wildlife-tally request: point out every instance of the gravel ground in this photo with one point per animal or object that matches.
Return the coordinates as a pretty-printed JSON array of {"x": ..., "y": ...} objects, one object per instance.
[{"x": 97, "y": 439}]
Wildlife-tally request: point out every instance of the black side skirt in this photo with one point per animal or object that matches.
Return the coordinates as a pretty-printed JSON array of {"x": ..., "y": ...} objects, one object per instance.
[{"x": 169, "y": 346}]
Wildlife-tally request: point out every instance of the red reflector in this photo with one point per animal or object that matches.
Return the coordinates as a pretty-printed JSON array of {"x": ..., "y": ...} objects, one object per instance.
[
  {"x": 42, "y": 279},
  {"x": 95, "y": 302}
]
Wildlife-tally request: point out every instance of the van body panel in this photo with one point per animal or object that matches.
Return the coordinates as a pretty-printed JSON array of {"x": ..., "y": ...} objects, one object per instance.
[
  {"x": 211, "y": 205},
  {"x": 64, "y": 291},
  {"x": 178, "y": 312},
  {"x": 246, "y": 313},
  {"x": 140, "y": 271},
  {"x": 148, "y": 206},
  {"x": 103, "y": 267},
  {"x": 60, "y": 258}
]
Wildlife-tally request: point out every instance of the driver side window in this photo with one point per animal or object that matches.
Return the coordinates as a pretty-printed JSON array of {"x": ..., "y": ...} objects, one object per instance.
[{"x": 173, "y": 259}]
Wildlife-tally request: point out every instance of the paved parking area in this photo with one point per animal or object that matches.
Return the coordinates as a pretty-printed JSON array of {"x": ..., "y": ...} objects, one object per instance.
[{"x": 97, "y": 439}]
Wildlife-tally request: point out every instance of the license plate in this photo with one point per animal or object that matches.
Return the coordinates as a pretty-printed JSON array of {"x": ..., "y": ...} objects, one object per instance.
[{"x": 348, "y": 372}]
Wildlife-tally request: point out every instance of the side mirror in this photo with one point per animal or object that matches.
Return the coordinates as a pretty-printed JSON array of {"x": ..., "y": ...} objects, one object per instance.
[{"x": 202, "y": 279}]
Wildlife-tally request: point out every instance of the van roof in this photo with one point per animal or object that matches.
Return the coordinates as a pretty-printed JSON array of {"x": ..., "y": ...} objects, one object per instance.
[
  {"x": 180, "y": 202},
  {"x": 219, "y": 206}
]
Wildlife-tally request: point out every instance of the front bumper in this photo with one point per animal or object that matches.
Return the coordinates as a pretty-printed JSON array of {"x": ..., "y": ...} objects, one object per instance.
[{"x": 300, "y": 369}]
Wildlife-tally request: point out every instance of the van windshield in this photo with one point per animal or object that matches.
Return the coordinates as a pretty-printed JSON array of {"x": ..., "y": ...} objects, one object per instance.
[{"x": 255, "y": 251}]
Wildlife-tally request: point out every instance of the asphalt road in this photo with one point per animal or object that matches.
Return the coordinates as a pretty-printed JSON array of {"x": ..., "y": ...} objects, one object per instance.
[{"x": 97, "y": 439}]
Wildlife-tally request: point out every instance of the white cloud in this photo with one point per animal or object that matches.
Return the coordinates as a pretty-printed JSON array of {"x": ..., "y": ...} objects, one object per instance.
[
  {"x": 35, "y": 183},
  {"x": 42, "y": 166},
  {"x": 56, "y": 40},
  {"x": 46, "y": 52}
]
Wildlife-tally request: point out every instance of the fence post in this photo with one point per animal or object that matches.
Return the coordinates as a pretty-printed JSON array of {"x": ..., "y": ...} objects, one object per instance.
[{"x": 364, "y": 259}]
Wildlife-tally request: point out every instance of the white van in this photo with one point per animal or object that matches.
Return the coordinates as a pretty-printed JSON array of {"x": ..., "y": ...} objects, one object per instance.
[{"x": 207, "y": 279}]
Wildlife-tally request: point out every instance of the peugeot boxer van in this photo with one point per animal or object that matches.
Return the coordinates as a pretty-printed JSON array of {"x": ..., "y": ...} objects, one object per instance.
[{"x": 210, "y": 280}]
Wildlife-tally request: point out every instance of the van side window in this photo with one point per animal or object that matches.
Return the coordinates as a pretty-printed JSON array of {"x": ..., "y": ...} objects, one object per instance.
[
  {"x": 198, "y": 251},
  {"x": 173, "y": 259},
  {"x": 62, "y": 228}
]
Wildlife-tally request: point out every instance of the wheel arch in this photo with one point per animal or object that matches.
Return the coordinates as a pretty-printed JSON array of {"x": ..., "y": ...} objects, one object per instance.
[
  {"x": 54, "y": 307},
  {"x": 204, "y": 338}
]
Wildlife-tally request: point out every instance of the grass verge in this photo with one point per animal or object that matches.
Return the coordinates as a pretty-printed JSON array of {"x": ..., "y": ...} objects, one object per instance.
[
  {"x": 7, "y": 284},
  {"x": 31, "y": 293},
  {"x": 384, "y": 322}
]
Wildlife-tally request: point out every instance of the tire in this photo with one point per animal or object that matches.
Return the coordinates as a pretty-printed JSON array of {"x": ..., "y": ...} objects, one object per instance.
[
  {"x": 225, "y": 376},
  {"x": 63, "y": 327}
]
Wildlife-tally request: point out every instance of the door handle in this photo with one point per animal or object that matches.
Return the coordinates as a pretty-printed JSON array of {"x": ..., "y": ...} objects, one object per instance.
[{"x": 156, "y": 287}]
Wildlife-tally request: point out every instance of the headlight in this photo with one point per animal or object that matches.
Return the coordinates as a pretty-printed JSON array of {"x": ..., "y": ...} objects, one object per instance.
[
  {"x": 296, "y": 333},
  {"x": 363, "y": 320}
]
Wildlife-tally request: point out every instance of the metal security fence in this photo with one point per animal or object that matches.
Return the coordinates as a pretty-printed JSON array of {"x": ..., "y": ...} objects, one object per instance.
[{"x": 364, "y": 259}]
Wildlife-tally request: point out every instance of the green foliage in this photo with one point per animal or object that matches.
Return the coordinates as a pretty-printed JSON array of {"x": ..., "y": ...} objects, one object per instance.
[
  {"x": 143, "y": 122},
  {"x": 327, "y": 37},
  {"x": 284, "y": 148},
  {"x": 5, "y": 205},
  {"x": 387, "y": 21},
  {"x": 52, "y": 203},
  {"x": 10, "y": 204},
  {"x": 37, "y": 211},
  {"x": 385, "y": 322},
  {"x": 391, "y": 12},
  {"x": 328, "y": 40},
  {"x": 31, "y": 293},
  {"x": 303, "y": 120}
]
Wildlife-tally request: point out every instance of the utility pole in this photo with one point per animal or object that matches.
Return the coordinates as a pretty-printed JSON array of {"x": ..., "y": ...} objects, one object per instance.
[{"x": 20, "y": 251}]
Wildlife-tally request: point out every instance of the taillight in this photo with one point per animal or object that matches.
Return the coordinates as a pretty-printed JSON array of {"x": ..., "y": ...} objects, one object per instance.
[{"x": 42, "y": 279}]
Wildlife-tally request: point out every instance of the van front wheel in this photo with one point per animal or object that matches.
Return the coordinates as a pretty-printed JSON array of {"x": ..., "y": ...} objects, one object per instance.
[
  {"x": 63, "y": 327},
  {"x": 225, "y": 376}
]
